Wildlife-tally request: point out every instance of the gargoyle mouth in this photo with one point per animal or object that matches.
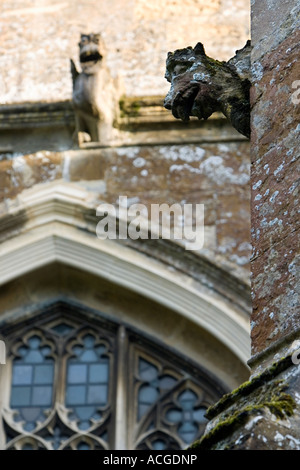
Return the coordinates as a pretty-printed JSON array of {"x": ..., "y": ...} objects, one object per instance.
[{"x": 90, "y": 57}]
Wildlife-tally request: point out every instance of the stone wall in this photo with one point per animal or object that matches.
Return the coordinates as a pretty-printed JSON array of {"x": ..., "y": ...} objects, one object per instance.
[
  {"x": 264, "y": 413},
  {"x": 163, "y": 161},
  {"x": 39, "y": 37},
  {"x": 275, "y": 178},
  {"x": 195, "y": 302},
  {"x": 215, "y": 174}
]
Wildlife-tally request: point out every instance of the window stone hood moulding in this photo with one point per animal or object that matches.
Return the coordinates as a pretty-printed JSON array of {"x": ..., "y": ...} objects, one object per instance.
[{"x": 54, "y": 230}]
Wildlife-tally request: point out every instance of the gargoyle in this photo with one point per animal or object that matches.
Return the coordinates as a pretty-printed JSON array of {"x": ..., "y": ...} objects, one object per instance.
[
  {"x": 93, "y": 93},
  {"x": 201, "y": 85}
]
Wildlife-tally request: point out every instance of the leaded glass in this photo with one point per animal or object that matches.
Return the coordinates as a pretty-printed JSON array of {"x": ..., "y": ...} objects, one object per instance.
[
  {"x": 32, "y": 383},
  {"x": 156, "y": 384},
  {"x": 87, "y": 382},
  {"x": 65, "y": 382},
  {"x": 188, "y": 417},
  {"x": 62, "y": 329}
]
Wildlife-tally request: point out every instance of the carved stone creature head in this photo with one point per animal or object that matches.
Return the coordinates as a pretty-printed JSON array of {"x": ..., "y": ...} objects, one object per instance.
[
  {"x": 90, "y": 51},
  {"x": 201, "y": 85},
  {"x": 186, "y": 69}
]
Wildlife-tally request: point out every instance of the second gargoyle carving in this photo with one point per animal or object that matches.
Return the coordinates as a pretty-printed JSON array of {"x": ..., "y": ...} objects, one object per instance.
[
  {"x": 201, "y": 85},
  {"x": 94, "y": 94}
]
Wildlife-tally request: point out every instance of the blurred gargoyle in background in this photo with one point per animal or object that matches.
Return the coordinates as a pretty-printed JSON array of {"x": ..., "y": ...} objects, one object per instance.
[
  {"x": 201, "y": 85},
  {"x": 94, "y": 93}
]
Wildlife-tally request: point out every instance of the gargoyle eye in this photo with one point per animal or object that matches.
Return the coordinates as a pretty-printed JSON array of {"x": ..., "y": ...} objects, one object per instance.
[
  {"x": 84, "y": 40},
  {"x": 179, "y": 69}
]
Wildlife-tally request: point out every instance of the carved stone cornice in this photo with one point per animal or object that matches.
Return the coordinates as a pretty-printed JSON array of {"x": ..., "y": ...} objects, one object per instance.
[{"x": 29, "y": 115}]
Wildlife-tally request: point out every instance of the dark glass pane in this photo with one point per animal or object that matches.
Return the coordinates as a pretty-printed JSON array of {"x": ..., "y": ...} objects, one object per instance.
[
  {"x": 84, "y": 412},
  {"x": 34, "y": 342},
  {"x": 187, "y": 427},
  {"x": 83, "y": 446},
  {"x": 29, "y": 427},
  {"x": 97, "y": 416},
  {"x": 167, "y": 382},
  {"x": 42, "y": 396},
  {"x": 62, "y": 329},
  {"x": 43, "y": 374},
  {"x": 158, "y": 445},
  {"x": 174, "y": 416},
  {"x": 78, "y": 350},
  {"x": 100, "y": 350},
  {"x": 89, "y": 356},
  {"x": 187, "y": 415},
  {"x": 34, "y": 357},
  {"x": 77, "y": 373},
  {"x": 22, "y": 351},
  {"x": 97, "y": 394},
  {"x": 89, "y": 341},
  {"x": 27, "y": 447},
  {"x": 20, "y": 396},
  {"x": 148, "y": 394},
  {"x": 188, "y": 432},
  {"x": 84, "y": 425},
  {"x": 36, "y": 372},
  {"x": 18, "y": 418},
  {"x": 198, "y": 415},
  {"x": 31, "y": 414},
  {"x": 187, "y": 399},
  {"x": 98, "y": 373},
  {"x": 147, "y": 371},
  {"x": 90, "y": 369},
  {"x": 22, "y": 375},
  {"x": 187, "y": 405},
  {"x": 188, "y": 395},
  {"x": 46, "y": 351},
  {"x": 75, "y": 395}
]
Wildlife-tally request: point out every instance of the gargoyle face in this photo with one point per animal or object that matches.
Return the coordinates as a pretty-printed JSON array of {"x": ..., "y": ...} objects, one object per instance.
[
  {"x": 89, "y": 46},
  {"x": 190, "y": 93}
]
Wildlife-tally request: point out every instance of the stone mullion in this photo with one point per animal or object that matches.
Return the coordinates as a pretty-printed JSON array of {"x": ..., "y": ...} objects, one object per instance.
[{"x": 120, "y": 415}]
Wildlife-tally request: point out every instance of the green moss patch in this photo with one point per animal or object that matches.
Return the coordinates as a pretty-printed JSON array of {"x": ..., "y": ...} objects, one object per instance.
[
  {"x": 271, "y": 396},
  {"x": 249, "y": 387}
]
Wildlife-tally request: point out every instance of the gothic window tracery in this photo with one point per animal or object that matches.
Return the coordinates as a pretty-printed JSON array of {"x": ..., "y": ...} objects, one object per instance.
[{"x": 64, "y": 376}]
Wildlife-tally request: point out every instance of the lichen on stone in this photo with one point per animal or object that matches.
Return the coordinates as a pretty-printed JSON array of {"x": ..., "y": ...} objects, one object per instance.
[{"x": 271, "y": 396}]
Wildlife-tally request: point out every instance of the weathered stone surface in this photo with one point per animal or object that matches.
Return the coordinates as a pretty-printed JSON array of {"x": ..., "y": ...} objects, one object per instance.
[
  {"x": 275, "y": 196},
  {"x": 271, "y": 23},
  {"x": 24, "y": 171},
  {"x": 38, "y": 39},
  {"x": 201, "y": 86},
  {"x": 154, "y": 161},
  {"x": 262, "y": 414},
  {"x": 216, "y": 175}
]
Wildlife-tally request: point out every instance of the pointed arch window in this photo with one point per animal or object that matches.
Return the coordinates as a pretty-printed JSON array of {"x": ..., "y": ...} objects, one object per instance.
[{"x": 83, "y": 382}]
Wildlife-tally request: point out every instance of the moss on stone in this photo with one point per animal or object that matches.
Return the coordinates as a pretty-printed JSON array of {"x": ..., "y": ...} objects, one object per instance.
[
  {"x": 129, "y": 107},
  {"x": 248, "y": 387},
  {"x": 271, "y": 396}
]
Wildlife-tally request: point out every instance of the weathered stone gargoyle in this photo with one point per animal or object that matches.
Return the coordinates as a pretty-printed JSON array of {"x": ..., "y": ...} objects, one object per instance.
[
  {"x": 94, "y": 94},
  {"x": 201, "y": 85}
]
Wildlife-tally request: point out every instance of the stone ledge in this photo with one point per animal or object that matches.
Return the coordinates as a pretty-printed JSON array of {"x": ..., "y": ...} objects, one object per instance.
[
  {"x": 29, "y": 127},
  {"x": 256, "y": 414},
  {"x": 135, "y": 113},
  {"x": 28, "y": 115}
]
